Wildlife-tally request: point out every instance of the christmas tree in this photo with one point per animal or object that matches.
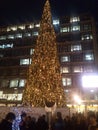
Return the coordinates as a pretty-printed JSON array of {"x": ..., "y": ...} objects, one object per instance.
[{"x": 44, "y": 84}]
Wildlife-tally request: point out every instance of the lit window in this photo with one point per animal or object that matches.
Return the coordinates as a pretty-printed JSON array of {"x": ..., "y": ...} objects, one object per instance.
[
  {"x": 64, "y": 69},
  {"x": 64, "y": 29},
  {"x": 75, "y": 28},
  {"x": 22, "y": 82},
  {"x": 1, "y": 46},
  {"x": 89, "y": 57},
  {"x": 13, "y": 97},
  {"x": 10, "y": 37},
  {"x": 74, "y": 19},
  {"x": 18, "y": 35},
  {"x": 1, "y": 94},
  {"x": 31, "y": 51},
  {"x": 4, "y": 96},
  {"x": 76, "y": 48},
  {"x": 25, "y": 61},
  {"x": 14, "y": 28},
  {"x": 31, "y": 26},
  {"x": 2, "y": 37},
  {"x": 37, "y": 25},
  {"x": 14, "y": 83},
  {"x": 77, "y": 69},
  {"x": 27, "y": 34},
  {"x": 19, "y": 97},
  {"x": 8, "y": 29},
  {"x": 9, "y": 46},
  {"x": 87, "y": 37},
  {"x": 35, "y": 34},
  {"x": 6, "y": 46},
  {"x": 66, "y": 81},
  {"x": 65, "y": 59},
  {"x": 22, "y": 27},
  {"x": 56, "y": 22}
]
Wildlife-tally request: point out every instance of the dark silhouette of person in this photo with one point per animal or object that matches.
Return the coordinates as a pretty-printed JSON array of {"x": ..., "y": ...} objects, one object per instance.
[
  {"x": 42, "y": 123},
  {"x": 22, "y": 124},
  {"x": 6, "y": 124},
  {"x": 58, "y": 123}
]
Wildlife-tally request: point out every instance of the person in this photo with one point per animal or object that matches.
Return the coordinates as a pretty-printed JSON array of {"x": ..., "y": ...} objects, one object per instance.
[
  {"x": 93, "y": 125},
  {"x": 58, "y": 124},
  {"x": 22, "y": 124},
  {"x": 42, "y": 124},
  {"x": 6, "y": 124}
]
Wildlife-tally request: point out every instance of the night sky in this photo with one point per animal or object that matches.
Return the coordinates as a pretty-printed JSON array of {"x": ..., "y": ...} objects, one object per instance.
[{"x": 20, "y": 11}]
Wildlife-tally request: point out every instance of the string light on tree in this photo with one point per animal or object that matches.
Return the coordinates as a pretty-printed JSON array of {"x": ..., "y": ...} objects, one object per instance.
[{"x": 44, "y": 84}]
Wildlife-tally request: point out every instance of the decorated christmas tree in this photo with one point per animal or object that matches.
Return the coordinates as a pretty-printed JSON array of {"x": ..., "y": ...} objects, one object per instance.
[{"x": 44, "y": 84}]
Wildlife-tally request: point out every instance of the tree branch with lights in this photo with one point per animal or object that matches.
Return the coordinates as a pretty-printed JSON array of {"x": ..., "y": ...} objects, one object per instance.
[{"x": 44, "y": 83}]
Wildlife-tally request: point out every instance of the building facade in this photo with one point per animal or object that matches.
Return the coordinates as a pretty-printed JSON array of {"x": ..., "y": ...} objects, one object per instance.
[{"x": 77, "y": 51}]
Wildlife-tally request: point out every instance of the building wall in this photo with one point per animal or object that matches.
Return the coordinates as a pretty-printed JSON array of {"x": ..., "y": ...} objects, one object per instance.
[{"x": 77, "y": 51}]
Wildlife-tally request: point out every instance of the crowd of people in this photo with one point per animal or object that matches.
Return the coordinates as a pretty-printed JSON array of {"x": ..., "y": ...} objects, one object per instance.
[{"x": 76, "y": 122}]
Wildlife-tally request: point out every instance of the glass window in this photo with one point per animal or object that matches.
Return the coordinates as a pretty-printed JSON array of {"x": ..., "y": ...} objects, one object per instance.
[
  {"x": 1, "y": 46},
  {"x": 25, "y": 61},
  {"x": 2, "y": 37},
  {"x": 27, "y": 34},
  {"x": 31, "y": 26},
  {"x": 37, "y": 25},
  {"x": 4, "y": 96},
  {"x": 76, "y": 48},
  {"x": 1, "y": 94},
  {"x": 22, "y": 82},
  {"x": 22, "y": 27},
  {"x": 10, "y": 37},
  {"x": 75, "y": 28},
  {"x": 6, "y": 46},
  {"x": 14, "y": 28},
  {"x": 14, "y": 83},
  {"x": 5, "y": 83},
  {"x": 65, "y": 58},
  {"x": 88, "y": 69},
  {"x": 8, "y": 29},
  {"x": 87, "y": 26},
  {"x": 35, "y": 34},
  {"x": 87, "y": 37},
  {"x": 18, "y": 35},
  {"x": 19, "y": 97},
  {"x": 56, "y": 22},
  {"x": 74, "y": 19},
  {"x": 64, "y": 69},
  {"x": 64, "y": 29},
  {"x": 66, "y": 81},
  {"x": 31, "y": 51},
  {"x": 13, "y": 96},
  {"x": 89, "y": 57},
  {"x": 77, "y": 69}
]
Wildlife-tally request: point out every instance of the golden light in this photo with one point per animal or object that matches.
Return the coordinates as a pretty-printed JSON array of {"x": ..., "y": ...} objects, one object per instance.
[{"x": 77, "y": 99}]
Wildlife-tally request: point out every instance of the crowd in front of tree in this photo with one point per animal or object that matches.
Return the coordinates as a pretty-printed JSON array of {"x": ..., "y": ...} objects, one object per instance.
[{"x": 76, "y": 122}]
